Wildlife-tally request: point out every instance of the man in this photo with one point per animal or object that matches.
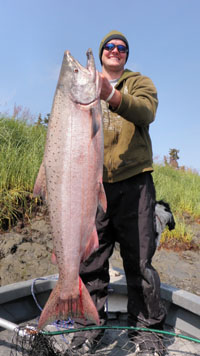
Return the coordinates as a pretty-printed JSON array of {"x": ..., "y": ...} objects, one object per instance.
[{"x": 129, "y": 103}]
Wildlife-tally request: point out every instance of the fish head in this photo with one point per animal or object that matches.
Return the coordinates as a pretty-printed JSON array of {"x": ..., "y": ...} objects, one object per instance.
[{"x": 82, "y": 83}]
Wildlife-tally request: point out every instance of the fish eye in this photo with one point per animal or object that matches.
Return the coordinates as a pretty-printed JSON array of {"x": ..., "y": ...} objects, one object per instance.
[{"x": 75, "y": 70}]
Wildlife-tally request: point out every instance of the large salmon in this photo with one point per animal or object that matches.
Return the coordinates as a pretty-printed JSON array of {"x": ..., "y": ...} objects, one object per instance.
[{"x": 73, "y": 164}]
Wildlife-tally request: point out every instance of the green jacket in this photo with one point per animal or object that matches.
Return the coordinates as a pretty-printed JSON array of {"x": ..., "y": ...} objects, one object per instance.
[{"x": 127, "y": 143}]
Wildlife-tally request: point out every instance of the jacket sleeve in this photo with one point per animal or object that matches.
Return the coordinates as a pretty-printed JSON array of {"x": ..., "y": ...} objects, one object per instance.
[{"x": 139, "y": 101}]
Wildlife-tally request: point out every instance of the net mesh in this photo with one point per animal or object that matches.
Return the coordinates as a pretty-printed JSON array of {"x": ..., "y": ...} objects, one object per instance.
[{"x": 114, "y": 342}]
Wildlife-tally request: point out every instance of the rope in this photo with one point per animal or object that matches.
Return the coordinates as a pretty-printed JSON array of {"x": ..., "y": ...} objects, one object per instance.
[
  {"x": 90, "y": 328},
  {"x": 33, "y": 293}
]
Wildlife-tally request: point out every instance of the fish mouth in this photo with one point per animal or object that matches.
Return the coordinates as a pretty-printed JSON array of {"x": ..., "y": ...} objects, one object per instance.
[
  {"x": 92, "y": 85},
  {"x": 90, "y": 62},
  {"x": 87, "y": 105}
]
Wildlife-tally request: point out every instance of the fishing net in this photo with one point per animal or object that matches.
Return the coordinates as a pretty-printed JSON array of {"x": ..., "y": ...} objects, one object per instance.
[{"x": 114, "y": 342}]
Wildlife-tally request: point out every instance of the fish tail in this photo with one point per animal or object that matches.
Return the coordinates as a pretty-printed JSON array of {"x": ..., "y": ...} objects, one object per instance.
[{"x": 58, "y": 308}]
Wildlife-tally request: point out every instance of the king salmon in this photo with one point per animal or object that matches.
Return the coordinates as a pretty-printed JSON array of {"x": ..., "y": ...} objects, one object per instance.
[{"x": 72, "y": 166}]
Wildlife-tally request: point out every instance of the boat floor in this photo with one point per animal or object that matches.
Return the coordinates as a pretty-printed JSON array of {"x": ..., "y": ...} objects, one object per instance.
[{"x": 114, "y": 343}]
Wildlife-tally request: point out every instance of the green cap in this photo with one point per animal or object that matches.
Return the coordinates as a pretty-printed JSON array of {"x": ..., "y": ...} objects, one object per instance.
[{"x": 111, "y": 36}]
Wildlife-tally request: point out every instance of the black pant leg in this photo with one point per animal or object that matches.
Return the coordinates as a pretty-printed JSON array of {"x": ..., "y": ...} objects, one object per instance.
[{"x": 135, "y": 227}]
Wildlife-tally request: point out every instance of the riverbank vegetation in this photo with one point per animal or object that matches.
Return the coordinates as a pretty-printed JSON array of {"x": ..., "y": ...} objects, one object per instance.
[
  {"x": 21, "y": 152},
  {"x": 180, "y": 188}
]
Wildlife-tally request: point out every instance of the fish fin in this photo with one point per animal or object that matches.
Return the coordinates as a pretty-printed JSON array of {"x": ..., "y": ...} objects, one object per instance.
[
  {"x": 53, "y": 258},
  {"x": 93, "y": 244},
  {"x": 58, "y": 308},
  {"x": 102, "y": 197},
  {"x": 40, "y": 188},
  {"x": 95, "y": 124}
]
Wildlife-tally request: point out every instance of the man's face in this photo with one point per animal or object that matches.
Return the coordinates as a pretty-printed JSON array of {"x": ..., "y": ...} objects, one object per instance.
[{"x": 114, "y": 59}]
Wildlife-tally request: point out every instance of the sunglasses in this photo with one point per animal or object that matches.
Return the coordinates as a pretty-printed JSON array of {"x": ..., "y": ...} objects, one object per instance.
[{"x": 110, "y": 46}]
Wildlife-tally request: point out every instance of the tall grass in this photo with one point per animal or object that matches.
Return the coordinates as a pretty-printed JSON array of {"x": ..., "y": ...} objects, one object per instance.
[
  {"x": 180, "y": 188},
  {"x": 21, "y": 151}
]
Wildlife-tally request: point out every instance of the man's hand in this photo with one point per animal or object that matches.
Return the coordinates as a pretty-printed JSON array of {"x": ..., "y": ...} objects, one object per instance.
[{"x": 106, "y": 90}]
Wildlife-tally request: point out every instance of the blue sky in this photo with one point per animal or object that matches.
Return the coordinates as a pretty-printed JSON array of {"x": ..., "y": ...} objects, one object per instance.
[{"x": 164, "y": 40}]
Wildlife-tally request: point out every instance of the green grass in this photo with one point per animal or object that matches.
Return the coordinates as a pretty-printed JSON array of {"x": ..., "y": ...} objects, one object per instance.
[
  {"x": 21, "y": 152},
  {"x": 181, "y": 189}
]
